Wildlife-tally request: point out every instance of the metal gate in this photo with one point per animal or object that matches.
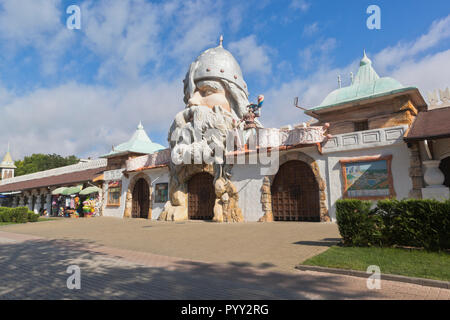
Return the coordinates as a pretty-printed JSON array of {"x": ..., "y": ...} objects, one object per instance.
[
  {"x": 201, "y": 197},
  {"x": 141, "y": 200},
  {"x": 295, "y": 193}
]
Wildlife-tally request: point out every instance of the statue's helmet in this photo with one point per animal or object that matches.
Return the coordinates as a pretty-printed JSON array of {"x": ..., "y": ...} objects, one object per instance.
[{"x": 212, "y": 64}]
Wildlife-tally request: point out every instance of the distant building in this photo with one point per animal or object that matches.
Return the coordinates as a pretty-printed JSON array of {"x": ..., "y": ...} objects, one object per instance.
[{"x": 7, "y": 167}]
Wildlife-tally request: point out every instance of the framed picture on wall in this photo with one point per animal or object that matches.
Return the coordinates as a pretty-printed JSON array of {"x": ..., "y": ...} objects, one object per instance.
[
  {"x": 161, "y": 192},
  {"x": 368, "y": 178},
  {"x": 114, "y": 191}
]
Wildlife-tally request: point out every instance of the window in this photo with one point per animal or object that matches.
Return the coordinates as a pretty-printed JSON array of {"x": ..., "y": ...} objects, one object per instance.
[
  {"x": 361, "y": 125},
  {"x": 114, "y": 191},
  {"x": 161, "y": 192}
]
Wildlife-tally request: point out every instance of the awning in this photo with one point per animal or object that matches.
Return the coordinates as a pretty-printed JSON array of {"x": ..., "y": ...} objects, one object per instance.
[
  {"x": 90, "y": 190},
  {"x": 58, "y": 191},
  {"x": 430, "y": 125},
  {"x": 72, "y": 190}
]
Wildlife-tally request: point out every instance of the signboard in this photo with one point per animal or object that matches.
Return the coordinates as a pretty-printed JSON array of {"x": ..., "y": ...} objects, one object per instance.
[{"x": 113, "y": 174}]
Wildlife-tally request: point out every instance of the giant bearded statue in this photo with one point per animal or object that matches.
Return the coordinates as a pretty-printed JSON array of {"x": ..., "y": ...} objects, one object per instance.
[{"x": 216, "y": 98}]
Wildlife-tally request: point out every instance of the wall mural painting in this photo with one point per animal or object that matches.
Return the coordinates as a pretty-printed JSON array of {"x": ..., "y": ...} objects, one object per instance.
[{"x": 368, "y": 178}]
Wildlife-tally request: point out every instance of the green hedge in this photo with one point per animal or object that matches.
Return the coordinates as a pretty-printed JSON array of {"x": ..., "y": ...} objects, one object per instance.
[
  {"x": 17, "y": 215},
  {"x": 417, "y": 223}
]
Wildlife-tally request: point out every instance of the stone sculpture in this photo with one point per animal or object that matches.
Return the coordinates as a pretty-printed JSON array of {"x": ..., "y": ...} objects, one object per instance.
[{"x": 216, "y": 98}]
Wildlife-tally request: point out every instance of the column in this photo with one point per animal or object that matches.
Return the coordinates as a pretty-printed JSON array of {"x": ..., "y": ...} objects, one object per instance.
[
  {"x": 434, "y": 178},
  {"x": 48, "y": 203},
  {"x": 38, "y": 204}
]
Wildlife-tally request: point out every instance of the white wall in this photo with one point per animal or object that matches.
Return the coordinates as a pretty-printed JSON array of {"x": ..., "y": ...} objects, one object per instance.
[
  {"x": 248, "y": 182},
  {"x": 157, "y": 175},
  {"x": 112, "y": 211},
  {"x": 400, "y": 171}
]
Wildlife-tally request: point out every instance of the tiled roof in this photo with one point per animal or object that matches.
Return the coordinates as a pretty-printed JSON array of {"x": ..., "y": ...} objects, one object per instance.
[
  {"x": 432, "y": 124},
  {"x": 57, "y": 180}
]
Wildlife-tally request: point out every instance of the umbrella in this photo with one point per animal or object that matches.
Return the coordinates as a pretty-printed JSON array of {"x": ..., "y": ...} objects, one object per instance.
[
  {"x": 90, "y": 190},
  {"x": 60, "y": 190},
  {"x": 72, "y": 190}
]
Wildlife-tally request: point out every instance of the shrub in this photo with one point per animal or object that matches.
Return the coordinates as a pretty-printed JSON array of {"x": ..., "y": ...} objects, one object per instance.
[
  {"x": 418, "y": 223},
  {"x": 20, "y": 215},
  {"x": 17, "y": 215},
  {"x": 32, "y": 217},
  {"x": 357, "y": 223}
]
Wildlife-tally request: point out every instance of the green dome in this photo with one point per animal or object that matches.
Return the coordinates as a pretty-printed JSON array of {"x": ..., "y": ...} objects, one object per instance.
[
  {"x": 139, "y": 143},
  {"x": 366, "y": 84}
]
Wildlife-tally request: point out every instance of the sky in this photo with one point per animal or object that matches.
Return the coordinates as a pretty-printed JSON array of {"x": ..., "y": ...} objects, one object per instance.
[{"x": 70, "y": 91}]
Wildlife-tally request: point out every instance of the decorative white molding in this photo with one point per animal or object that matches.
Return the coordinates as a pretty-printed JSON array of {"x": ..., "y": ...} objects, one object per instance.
[
  {"x": 82, "y": 166},
  {"x": 273, "y": 137},
  {"x": 155, "y": 159},
  {"x": 365, "y": 139},
  {"x": 433, "y": 176},
  {"x": 113, "y": 174},
  {"x": 433, "y": 99}
]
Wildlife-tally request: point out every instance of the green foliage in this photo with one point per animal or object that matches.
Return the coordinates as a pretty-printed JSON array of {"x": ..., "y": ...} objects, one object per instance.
[
  {"x": 41, "y": 162},
  {"x": 17, "y": 215},
  {"x": 357, "y": 223},
  {"x": 417, "y": 223}
]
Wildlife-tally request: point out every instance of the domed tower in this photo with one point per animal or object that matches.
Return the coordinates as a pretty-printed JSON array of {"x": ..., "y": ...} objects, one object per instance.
[{"x": 7, "y": 166}]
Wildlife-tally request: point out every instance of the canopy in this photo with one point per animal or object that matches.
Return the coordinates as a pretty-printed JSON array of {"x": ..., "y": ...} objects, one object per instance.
[
  {"x": 90, "y": 190},
  {"x": 58, "y": 191},
  {"x": 72, "y": 190}
]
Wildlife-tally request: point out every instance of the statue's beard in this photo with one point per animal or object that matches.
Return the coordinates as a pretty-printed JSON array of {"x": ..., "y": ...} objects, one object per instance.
[{"x": 198, "y": 135}]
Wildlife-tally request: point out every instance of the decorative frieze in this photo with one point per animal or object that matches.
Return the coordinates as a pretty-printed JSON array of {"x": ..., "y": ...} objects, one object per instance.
[{"x": 365, "y": 139}]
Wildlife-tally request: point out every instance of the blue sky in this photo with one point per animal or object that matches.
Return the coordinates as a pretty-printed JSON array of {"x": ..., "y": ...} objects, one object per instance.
[{"x": 81, "y": 91}]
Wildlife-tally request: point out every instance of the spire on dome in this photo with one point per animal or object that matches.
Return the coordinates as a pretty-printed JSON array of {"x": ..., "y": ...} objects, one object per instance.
[
  {"x": 366, "y": 73},
  {"x": 365, "y": 60},
  {"x": 7, "y": 162},
  {"x": 140, "y": 126},
  {"x": 221, "y": 41}
]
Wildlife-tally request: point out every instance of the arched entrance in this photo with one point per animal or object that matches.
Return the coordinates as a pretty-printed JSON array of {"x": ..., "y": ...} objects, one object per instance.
[
  {"x": 445, "y": 168},
  {"x": 141, "y": 199},
  {"x": 295, "y": 193},
  {"x": 201, "y": 197}
]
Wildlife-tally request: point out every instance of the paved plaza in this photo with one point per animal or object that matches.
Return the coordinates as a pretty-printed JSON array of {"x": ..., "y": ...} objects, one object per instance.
[{"x": 140, "y": 259}]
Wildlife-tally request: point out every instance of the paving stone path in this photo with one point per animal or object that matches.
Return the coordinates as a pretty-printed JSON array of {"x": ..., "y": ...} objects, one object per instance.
[{"x": 34, "y": 267}]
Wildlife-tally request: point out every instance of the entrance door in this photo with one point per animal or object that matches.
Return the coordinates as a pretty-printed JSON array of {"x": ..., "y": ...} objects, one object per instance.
[
  {"x": 295, "y": 193},
  {"x": 141, "y": 200},
  {"x": 201, "y": 197}
]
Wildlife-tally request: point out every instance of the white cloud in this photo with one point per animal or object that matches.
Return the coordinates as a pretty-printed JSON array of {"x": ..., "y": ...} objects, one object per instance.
[
  {"x": 301, "y": 5},
  {"x": 86, "y": 120},
  {"x": 428, "y": 73},
  {"x": 253, "y": 58},
  {"x": 124, "y": 33},
  {"x": 391, "y": 57},
  {"x": 317, "y": 54},
  {"x": 310, "y": 29},
  {"x": 35, "y": 24}
]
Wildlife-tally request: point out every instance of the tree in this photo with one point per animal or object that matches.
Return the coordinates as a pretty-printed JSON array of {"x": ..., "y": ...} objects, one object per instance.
[{"x": 40, "y": 162}]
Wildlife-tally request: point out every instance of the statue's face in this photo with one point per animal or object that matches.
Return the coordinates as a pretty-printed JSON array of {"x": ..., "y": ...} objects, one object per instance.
[{"x": 210, "y": 94}]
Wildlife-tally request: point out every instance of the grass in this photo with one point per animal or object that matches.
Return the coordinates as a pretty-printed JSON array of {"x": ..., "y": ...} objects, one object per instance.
[{"x": 405, "y": 262}]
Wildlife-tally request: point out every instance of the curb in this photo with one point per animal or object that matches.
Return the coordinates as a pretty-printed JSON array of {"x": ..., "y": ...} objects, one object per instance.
[{"x": 390, "y": 277}]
